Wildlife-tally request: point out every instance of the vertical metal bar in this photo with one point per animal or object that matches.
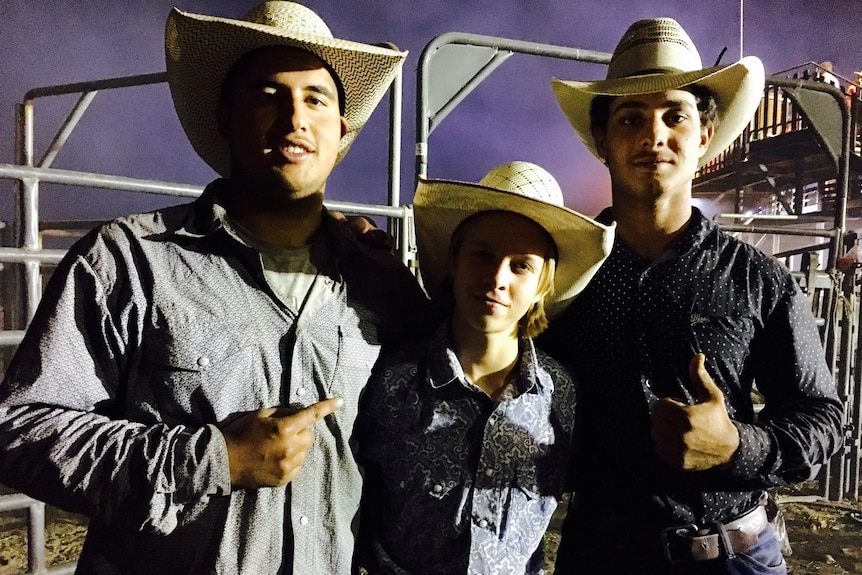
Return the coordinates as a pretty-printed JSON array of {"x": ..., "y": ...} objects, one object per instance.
[
  {"x": 855, "y": 424},
  {"x": 395, "y": 226},
  {"x": 395, "y": 100},
  {"x": 29, "y": 213},
  {"x": 36, "y": 538}
]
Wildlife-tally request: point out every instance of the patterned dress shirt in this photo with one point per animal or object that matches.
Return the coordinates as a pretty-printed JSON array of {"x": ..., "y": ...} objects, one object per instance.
[
  {"x": 456, "y": 482},
  {"x": 630, "y": 337},
  {"x": 158, "y": 329}
]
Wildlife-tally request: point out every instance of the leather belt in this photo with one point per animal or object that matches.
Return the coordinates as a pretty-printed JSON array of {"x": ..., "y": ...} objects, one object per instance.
[{"x": 689, "y": 543}]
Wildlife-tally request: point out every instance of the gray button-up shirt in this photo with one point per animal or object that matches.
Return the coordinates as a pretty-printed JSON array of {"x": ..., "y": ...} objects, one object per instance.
[{"x": 158, "y": 329}]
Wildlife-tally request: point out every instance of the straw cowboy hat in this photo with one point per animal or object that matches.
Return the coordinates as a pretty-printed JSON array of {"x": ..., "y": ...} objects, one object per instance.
[
  {"x": 657, "y": 55},
  {"x": 520, "y": 187},
  {"x": 199, "y": 50}
]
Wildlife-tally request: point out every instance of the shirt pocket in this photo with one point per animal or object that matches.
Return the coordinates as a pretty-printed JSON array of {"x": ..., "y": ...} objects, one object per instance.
[
  {"x": 203, "y": 373},
  {"x": 357, "y": 352},
  {"x": 722, "y": 330}
]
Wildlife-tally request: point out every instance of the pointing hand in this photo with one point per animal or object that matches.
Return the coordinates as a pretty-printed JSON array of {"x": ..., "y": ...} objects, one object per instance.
[{"x": 267, "y": 448}]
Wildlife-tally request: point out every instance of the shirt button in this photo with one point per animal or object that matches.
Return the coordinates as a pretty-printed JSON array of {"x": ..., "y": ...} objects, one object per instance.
[
  {"x": 489, "y": 472},
  {"x": 300, "y": 391},
  {"x": 203, "y": 361},
  {"x": 483, "y": 523},
  {"x": 303, "y": 520},
  {"x": 438, "y": 488}
]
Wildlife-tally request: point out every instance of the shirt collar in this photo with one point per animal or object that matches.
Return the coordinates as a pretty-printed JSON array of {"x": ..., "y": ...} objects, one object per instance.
[
  {"x": 208, "y": 216},
  {"x": 698, "y": 228},
  {"x": 445, "y": 369}
]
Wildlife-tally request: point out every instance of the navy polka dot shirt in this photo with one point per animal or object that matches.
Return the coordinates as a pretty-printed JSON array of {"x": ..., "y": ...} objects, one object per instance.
[{"x": 630, "y": 337}]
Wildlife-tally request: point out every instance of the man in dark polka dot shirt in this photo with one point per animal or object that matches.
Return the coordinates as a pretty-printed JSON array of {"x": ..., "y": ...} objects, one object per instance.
[{"x": 675, "y": 329}]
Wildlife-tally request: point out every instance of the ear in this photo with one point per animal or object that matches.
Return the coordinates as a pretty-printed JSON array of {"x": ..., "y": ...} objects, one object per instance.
[
  {"x": 706, "y": 133},
  {"x": 344, "y": 127},
  {"x": 451, "y": 261},
  {"x": 600, "y": 136},
  {"x": 223, "y": 120}
]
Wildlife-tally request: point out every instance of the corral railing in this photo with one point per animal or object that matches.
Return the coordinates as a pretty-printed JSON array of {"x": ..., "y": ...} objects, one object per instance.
[{"x": 795, "y": 178}]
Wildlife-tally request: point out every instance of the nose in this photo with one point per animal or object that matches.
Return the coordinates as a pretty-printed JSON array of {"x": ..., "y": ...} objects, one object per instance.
[
  {"x": 293, "y": 114},
  {"x": 654, "y": 133},
  {"x": 498, "y": 275}
]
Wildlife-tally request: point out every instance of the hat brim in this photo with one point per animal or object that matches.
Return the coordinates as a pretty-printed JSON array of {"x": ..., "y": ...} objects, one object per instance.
[
  {"x": 440, "y": 206},
  {"x": 199, "y": 51},
  {"x": 738, "y": 89}
]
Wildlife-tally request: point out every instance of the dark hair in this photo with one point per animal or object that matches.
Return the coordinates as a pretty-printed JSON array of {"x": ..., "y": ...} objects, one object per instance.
[
  {"x": 230, "y": 77},
  {"x": 600, "y": 108}
]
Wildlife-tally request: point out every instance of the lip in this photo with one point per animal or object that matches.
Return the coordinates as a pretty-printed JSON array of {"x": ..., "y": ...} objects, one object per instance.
[
  {"x": 650, "y": 162},
  {"x": 490, "y": 302},
  {"x": 294, "y": 150}
]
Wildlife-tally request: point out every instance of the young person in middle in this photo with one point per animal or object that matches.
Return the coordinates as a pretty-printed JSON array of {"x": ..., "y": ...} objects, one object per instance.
[{"x": 465, "y": 436}]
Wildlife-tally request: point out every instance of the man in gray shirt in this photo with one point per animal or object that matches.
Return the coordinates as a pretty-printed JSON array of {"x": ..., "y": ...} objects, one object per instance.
[{"x": 168, "y": 384}]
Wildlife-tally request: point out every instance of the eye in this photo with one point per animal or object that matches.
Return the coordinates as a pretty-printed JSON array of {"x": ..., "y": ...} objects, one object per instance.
[
  {"x": 628, "y": 120},
  {"x": 262, "y": 95},
  {"x": 523, "y": 267},
  {"x": 480, "y": 255},
  {"x": 674, "y": 118},
  {"x": 316, "y": 101}
]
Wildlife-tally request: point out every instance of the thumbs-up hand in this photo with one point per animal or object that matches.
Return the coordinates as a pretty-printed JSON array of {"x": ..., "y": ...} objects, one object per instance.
[{"x": 695, "y": 437}]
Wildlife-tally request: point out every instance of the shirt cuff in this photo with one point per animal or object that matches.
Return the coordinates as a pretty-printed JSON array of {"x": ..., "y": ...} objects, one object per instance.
[{"x": 750, "y": 456}]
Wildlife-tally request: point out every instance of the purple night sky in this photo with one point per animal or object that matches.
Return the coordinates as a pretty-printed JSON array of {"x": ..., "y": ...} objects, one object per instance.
[{"x": 513, "y": 115}]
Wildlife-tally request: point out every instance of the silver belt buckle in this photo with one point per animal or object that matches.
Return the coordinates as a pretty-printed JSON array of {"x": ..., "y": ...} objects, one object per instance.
[{"x": 752, "y": 522}]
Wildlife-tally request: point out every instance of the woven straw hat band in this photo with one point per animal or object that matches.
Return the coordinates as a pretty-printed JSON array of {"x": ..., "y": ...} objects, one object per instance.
[{"x": 654, "y": 46}]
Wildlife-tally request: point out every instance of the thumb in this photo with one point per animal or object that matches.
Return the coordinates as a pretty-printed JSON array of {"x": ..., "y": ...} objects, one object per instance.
[{"x": 704, "y": 386}]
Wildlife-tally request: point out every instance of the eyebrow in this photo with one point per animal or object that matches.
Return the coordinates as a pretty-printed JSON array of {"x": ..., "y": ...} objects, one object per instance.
[
  {"x": 321, "y": 89},
  {"x": 639, "y": 105},
  {"x": 314, "y": 88}
]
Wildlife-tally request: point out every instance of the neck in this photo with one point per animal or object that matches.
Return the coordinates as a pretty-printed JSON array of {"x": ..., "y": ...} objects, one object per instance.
[
  {"x": 650, "y": 228},
  {"x": 290, "y": 223},
  {"x": 486, "y": 358}
]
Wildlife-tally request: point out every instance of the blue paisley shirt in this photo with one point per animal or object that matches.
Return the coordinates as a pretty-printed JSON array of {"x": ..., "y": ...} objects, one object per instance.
[{"x": 455, "y": 481}]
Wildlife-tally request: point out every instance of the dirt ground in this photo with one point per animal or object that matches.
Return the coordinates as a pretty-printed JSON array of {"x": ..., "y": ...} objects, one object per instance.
[{"x": 825, "y": 537}]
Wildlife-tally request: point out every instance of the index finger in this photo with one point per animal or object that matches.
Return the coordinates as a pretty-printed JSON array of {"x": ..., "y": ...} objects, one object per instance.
[{"x": 314, "y": 413}]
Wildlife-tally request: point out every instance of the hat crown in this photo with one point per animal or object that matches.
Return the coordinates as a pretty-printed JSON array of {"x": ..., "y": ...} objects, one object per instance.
[
  {"x": 658, "y": 45},
  {"x": 525, "y": 179},
  {"x": 289, "y": 17}
]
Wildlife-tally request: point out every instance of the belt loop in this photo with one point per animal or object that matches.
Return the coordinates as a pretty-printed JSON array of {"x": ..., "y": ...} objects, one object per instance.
[
  {"x": 676, "y": 531},
  {"x": 724, "y": 540}
]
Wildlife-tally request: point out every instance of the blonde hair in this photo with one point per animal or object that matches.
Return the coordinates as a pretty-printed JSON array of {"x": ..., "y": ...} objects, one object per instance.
[{"x": 535, "y": 321}]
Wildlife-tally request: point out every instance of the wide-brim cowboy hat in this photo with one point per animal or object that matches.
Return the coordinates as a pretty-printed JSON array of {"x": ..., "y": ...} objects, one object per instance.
[
  {"x": 657, "y": 55},
  {"x": 199, "y": 51},
  {"x": 441, "y": 206}
]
